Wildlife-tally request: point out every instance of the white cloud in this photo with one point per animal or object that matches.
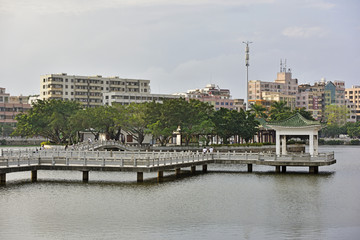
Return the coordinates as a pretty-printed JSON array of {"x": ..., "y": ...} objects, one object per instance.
[
  {"x": 79, "y": 6},
  {"x": 320, "y": 5},
  {"x": 303, "y": 32}
]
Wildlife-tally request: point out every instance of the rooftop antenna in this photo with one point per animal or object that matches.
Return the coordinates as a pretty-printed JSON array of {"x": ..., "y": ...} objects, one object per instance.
[
  {"x": 247, "y": 64},
  {"x": 285, "y": 66}
]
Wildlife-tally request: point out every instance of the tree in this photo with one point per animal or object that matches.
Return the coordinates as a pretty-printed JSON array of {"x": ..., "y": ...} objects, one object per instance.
[
  {"x": 222, "y": 121},
  {"x": 279, "y": 111},
  {"x": 336, "y": 115},
  {"x": 50, "y": 119},
  {"x": 248, "y": 125},
  {"x": 5, "y": 129},
  {"x": 195, "y": 119},
  {"x": 159, "y": 125},
  {"x": 353, "y": 129},
  {"x": 304, "y": 113},
  {"x": 135, "y": 121},
  {"x": 259, "y": 111}
]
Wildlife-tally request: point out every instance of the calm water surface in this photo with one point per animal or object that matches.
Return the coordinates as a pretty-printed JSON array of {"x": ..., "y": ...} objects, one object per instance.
[{"x": 216, "y": 205}]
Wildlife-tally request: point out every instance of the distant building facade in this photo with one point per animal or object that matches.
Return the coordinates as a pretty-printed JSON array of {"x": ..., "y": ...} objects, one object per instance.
[
  {"x": 10, "y": 106},
  {"x": 217, "y": 97},
  {"x": 284, "y": 88},
  {"x": 126, "y": 98},
  {"x": 88, "y": 90},
  {"x": 353, "y": 96}
]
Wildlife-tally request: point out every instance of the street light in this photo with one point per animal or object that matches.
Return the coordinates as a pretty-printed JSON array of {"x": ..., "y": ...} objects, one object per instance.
[{"x": 247, "y": 72}]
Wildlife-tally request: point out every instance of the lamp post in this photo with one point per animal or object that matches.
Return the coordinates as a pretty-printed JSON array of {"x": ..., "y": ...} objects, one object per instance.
[{"x": 247, "y": 72}]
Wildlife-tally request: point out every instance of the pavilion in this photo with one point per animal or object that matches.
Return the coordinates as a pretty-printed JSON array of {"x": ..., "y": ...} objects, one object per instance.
[{"x": 299, "y": 126}]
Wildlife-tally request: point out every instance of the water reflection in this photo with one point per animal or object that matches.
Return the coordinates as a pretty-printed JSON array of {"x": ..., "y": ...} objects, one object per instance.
[{"x": 216, "y": 205}]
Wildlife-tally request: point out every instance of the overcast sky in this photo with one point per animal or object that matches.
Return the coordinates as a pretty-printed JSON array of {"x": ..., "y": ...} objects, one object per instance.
[{"x": 178, "y": 45}]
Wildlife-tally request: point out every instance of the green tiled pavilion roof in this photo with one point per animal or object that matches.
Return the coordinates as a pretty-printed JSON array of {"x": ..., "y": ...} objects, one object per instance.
[
  {"x": 263, "y": 123},
  {"x": 297, "y": 120}
]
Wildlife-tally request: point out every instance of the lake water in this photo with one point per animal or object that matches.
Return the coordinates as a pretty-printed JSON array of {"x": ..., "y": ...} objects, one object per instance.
[{"x": 231, "y": 204}]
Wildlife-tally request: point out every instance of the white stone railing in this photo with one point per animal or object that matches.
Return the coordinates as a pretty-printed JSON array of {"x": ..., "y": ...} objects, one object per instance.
[{"x": 144, "y": 158}]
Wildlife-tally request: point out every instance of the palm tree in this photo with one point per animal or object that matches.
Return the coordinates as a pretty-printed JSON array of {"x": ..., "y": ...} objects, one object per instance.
[
  {"x": 258, "y": 110},
  {"x": 279, "y": 111}
]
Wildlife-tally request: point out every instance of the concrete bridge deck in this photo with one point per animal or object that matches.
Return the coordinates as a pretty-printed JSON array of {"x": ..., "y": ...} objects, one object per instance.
[{"x": 147, "y": 162}]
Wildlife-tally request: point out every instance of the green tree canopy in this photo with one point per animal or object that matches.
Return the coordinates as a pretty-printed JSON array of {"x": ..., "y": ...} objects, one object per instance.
[
  {"x": 50, "y": 119},
  {"x": 336, "y": 115}
]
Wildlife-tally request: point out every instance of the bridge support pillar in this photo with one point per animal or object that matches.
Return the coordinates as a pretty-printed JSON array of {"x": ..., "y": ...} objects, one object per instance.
[
  {"x": 160, "y": 176},
  {"x": 177, "y": 172},
  {"x": 34, "y": 176},
  {"x": 140, "y": 176},
  {"x": 204, "y": 168},
  {"x": 283, "y": 169},
  {"x": 85, "y": 176},
  {"x": 277, "y": 169},
  {"x": 314, "y": 169},
  {"x": 193, "y": 169},
  {"x": 249, "y": 166},
  {"x": 2, "y": 178}
]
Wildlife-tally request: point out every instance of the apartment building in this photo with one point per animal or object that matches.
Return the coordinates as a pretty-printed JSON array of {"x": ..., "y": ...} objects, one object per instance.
[
  {"x": 88, "y": 90},
  {"x": 216, "y": 96},
  {"x": 269, "y": 97},
  {"x": 335, "y": 93},
  {"x": 126, "y": 98},
  {"x": 353, "y": 96},
  {"x": 311, "y": 98},
  {"x": 10, "y": 106},
  {"x": 284, "y": 88}
]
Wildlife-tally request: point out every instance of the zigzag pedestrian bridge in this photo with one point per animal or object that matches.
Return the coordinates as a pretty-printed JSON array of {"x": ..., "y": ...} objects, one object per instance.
[{"x": 141, "y": 162}]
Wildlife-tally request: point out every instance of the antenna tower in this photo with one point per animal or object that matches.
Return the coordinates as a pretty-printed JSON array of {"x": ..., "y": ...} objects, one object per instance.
[{"x": 247, "y": 64}]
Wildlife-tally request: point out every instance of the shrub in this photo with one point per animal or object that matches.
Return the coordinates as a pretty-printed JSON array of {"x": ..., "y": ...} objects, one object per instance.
[
  {"x": 46, "y": 143},
  {"x": 334, "y": 142},
  {"x": 355, "y": 142}
]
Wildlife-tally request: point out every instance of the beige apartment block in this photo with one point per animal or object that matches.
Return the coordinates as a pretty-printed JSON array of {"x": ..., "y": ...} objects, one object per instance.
[
  {"x": 216, "y": 96},
  {"x": 127, "y": 98},
  {"x": 10, "y": 106},
  {"x": 283, "y": 87},
  {"x": 270, "y": 97},
  {"x": 311, "y": 98},
  {"x": 290, "y": 85},
  {"x": 353, "y": 95},
  {"x": 88, "y": 90}
]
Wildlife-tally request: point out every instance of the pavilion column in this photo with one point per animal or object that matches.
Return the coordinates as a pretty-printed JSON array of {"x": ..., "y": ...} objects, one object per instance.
[
  {"x": 284, "y": 145},
  {"x": 316, "y": 145},
  {"x": 277, "y": 144},
  {"x": 311, "y": 144}
]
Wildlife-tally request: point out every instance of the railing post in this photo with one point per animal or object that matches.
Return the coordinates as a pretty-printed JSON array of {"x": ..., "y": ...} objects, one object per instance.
[
  {"x": 52, "y": 160},
  {"x": 67, "y": 161},
  {"x": 18, "y": 161}
]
